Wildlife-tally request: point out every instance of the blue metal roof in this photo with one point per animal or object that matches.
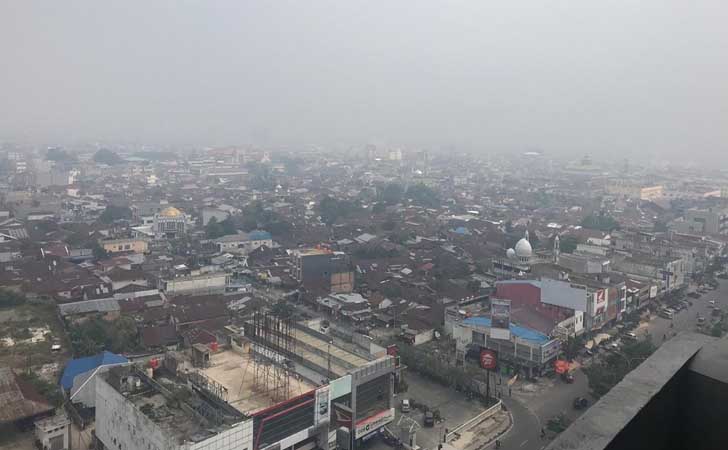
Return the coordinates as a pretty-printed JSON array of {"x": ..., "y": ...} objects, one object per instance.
[
  {"x": 518, "y": 331},
  {"x": 258, "y": 235},
  {"x": 78, "y": 366}
]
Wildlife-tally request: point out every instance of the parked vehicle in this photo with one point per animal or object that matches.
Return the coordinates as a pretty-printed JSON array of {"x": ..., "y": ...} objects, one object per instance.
[
  {"x": 701, "y": 320},
  {"x": 631, "y": 336},
  {"x": 711, "y": 302},
  {"x": 405, "y": 407},
  {"x": 580, "y": 403},
  {"x": 429, "y": 419},
  {"x": 666, "y": 313}
]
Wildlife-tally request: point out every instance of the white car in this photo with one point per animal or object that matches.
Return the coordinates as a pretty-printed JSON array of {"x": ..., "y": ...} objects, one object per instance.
[{"x": 711, "y": 302}]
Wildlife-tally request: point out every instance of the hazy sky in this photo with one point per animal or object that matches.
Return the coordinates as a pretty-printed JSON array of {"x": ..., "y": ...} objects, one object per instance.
[{"x": 574, "y": 76}]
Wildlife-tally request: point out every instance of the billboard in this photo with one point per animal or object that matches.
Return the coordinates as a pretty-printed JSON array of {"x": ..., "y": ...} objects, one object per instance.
[
  {"x": 600, "y": 302},
  {"x": 323, "y": 405},
  {"x": 488, "y": 359},
  {"x": 342, "y": 415},
  {"x": 373, "y": 423},
  {"x": 500, "y": 319}
]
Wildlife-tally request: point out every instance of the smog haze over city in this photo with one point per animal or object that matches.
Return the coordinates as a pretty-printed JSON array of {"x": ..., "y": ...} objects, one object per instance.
[
  {"x": 363, "y": 225},
  {"x": 639, "y": 79}
]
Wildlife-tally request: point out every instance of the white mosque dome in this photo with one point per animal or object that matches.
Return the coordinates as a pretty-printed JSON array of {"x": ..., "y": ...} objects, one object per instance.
[
  {"x": 510, "y": 253},
  {"x": 523, "y": 249}
]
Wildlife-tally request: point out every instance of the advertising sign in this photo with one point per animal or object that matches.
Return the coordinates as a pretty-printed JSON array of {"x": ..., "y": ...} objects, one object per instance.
[
  {"x": 373, "y": 423},
  {"x": 500, "y": 319},
  {"x": 488, "y": 359},
  {"x": 393, "y": 350},
  {"x": 600, "y": 302},
  {"x": 323, "y": 405},
  {"x": 342, "y": 415}
]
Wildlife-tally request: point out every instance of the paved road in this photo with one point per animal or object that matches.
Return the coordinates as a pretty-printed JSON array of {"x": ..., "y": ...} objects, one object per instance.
[
  {"x": 526, "y": 431},
  {"x": 686, "y": 320}
]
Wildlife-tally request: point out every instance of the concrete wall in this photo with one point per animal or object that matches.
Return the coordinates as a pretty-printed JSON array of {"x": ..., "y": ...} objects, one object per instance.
[
  {"x": 126, "y": 245},
  {"x": 240, "y": 437},
  {"x": 119, "y": 425},
  {"x": 188, "y": 285}
]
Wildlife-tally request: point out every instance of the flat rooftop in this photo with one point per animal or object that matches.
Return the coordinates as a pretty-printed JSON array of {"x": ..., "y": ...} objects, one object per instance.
[
  {"x": 237, "y": 373},
  {"x": 171, "y": 405}
]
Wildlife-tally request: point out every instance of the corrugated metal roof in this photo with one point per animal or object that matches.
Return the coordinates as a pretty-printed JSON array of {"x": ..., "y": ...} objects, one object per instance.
[
  {"x": 78, "y": 366},
  {"x": 520, "y": 332},
  {"x": 18, "y": 399},
  {"x": 87, "y": 306}
]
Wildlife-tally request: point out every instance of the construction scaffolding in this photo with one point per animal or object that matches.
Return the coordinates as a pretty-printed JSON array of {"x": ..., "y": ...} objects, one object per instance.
[{"x": 273, "y": 340}]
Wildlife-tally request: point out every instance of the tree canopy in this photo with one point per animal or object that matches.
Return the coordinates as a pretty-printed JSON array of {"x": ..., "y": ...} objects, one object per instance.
[
  {"x": 605, "y": 374},
  {"x": 392, "y": 194},
  {"x": 105, "y": 156},
  {"x": 331, "y": 209},
  {"x": 423, "y": 195},
  {"x": 9, "y": 299},
  {"x": 113, "y": 213},
  {"x": 601, "y": 221},
  {"x": 96, "y": 335},
  {"x": 215, "y": 229}
]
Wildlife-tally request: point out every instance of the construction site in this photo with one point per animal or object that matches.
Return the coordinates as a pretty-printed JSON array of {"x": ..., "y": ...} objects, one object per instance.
[{"x": 297, "y": 345}]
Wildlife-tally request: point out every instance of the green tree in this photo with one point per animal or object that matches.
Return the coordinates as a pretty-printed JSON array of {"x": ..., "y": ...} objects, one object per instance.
[
  {"x": 213, "y": 229},
  {"x": 601, "y": 221},
  {"x": 123, "y": 335},
  {"x": 332, "y": 209},
  {"x": 113, "y": 213},
  {"x": 105, "y": 156},
  {"x": 392, "y": 194},
  {"x": 10, "y": 299},
  {"x": 567, "y": 244},
  {"x": 99, "y": 252},
  {"x": 607, "y": 373},
  {"x": 283, "y": 310},
  {"x": 423, "y": 195}
]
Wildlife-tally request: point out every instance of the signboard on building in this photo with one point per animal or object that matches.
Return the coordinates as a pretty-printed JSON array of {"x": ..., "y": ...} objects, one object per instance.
[
  {"x": 600, "y": 302},
  {"x": 500, "y": 319},
  {"x": 373, "y": 423},
  {"x": 323, "y": 405},
  {"x": 342, "y": 415},
  {"x": 393, "y": 350},
  {"x": 488, "y": 359}
]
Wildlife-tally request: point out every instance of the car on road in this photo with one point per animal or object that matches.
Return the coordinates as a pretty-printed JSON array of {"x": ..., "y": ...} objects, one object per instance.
[
  {"x": 631, "y": 336},
  {"x": 701, "y": 320},
  {"x": 405, "y": 406},
  {"x": 711, "y": 302},
  {"x": 580, "y": 403},
  {"x": 429, "y": 419},
  {"x": 666, "y": 313}
]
